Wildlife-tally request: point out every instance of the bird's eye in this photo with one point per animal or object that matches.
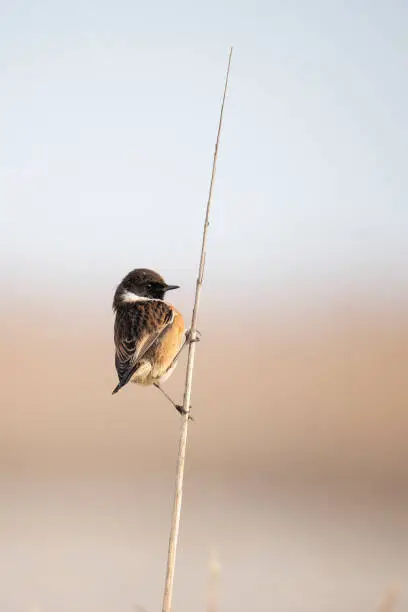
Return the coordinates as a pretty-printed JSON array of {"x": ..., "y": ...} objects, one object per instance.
[{"x": 148, "y": 286}]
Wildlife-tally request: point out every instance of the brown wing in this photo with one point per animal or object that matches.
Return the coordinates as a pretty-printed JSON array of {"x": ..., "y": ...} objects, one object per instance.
[{"x": 138, "y": 326}]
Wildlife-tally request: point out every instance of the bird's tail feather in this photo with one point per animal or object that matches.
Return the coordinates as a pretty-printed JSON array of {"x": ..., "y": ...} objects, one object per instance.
[
  {"x": 125, "y": 379},
  {"x": 117, "y": 388}
]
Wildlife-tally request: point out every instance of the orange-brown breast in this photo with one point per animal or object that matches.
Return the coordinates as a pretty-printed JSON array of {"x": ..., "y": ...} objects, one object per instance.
[{"x": 168, "y": 347}]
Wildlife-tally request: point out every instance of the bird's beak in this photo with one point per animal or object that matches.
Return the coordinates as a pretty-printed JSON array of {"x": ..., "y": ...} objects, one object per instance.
[{"x": 170, "y": 287}]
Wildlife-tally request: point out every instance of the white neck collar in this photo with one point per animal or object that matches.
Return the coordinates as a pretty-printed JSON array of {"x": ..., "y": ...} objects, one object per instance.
[{"x": 129, "y": 297}]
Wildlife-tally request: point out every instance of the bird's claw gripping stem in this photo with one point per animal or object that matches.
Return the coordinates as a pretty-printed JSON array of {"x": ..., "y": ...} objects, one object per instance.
[{"x": 190, "y": 338}]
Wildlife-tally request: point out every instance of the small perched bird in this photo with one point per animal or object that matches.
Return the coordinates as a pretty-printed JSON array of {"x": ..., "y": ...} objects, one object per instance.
[{"x": 149, "y": 332}]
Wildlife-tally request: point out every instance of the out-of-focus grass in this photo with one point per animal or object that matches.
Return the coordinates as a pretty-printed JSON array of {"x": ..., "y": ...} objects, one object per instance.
[{"x": 390, "y": 600}]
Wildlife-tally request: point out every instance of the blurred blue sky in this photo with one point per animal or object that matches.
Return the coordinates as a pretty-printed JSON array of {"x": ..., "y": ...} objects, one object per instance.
[{"x": 108, "y": 116}]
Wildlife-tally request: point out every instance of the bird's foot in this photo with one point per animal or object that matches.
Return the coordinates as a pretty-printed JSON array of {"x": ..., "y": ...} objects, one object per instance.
[
  {"x": 181, "y": 410},
  {"x": 190, "y": 339}
]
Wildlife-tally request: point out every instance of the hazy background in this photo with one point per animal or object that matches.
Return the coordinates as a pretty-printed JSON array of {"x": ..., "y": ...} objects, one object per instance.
[{"x": 297, "y": 463}]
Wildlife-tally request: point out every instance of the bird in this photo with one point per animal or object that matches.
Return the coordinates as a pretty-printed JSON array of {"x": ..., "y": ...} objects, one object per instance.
[{"x": 149, "y": 333}]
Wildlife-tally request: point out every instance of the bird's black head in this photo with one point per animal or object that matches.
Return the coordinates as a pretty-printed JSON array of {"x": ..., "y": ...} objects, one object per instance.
[{"x": 141, "y": 284}]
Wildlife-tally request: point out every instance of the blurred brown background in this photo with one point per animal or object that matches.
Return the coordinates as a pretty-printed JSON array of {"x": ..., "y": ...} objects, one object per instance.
[{"x": 296, "y": 475}]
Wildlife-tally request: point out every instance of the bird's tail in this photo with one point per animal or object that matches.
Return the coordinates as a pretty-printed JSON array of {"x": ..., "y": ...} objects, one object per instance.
[
  {"x": 117, "y": 388},
  {"x": 125, "y": 379}
]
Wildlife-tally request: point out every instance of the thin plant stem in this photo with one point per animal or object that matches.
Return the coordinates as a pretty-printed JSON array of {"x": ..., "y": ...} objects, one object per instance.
[
  {"x": 213, "y": 594},
  {"x": 175, "y": 521}
]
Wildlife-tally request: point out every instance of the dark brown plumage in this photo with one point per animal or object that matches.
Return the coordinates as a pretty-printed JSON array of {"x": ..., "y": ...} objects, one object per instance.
[{"x": 149, "y": 332}]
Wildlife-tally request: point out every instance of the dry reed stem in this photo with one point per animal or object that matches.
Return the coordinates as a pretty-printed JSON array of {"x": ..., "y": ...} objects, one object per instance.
[
  {"x": 213, "y": 594},
  {"x": 175, "y": 522},
  {"x": 390, "y": 599}
]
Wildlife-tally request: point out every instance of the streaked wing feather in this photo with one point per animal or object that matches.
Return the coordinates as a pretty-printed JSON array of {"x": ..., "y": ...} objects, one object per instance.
[{"x": 137, "y": 328}]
